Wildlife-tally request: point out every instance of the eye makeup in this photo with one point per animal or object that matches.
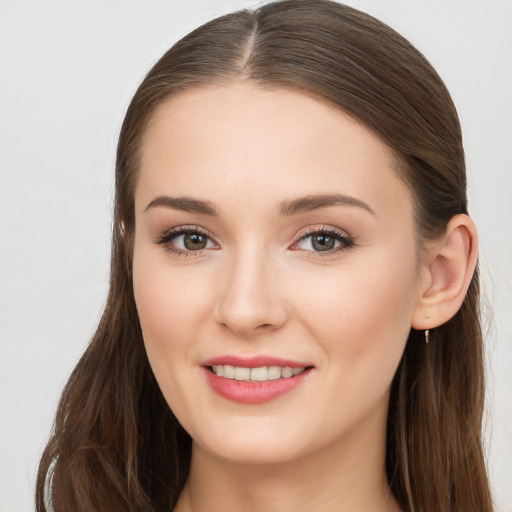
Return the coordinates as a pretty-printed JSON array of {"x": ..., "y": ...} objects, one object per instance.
[
  {"x": 186, "y": 241},
  {"x": 324, "y": 241},
  {"x": 194, "y": 241}
]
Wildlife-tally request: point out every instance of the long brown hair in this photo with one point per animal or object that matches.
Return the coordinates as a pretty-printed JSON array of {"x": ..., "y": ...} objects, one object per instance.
[{"x": 116, "y": 445}]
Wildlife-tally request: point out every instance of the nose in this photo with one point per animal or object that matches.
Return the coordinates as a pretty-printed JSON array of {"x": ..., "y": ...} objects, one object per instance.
[{"x": 251, "y": 300}]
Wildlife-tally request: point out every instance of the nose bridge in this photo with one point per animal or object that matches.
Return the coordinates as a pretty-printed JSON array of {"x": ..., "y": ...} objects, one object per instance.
[{"x": 250, "y": 298}]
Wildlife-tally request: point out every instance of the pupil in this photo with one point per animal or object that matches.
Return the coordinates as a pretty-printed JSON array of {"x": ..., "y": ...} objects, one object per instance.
[
  {"x": 323, "y": 242},
  {"x": 194, "y": 241}
]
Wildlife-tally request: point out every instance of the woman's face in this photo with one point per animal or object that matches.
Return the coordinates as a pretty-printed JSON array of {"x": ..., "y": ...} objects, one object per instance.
[{"x": 273, "y": 238}]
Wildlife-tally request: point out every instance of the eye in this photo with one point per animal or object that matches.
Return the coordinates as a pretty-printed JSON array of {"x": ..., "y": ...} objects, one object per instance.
[
  {"x": 183, "y": 240},
  {"x": 324, "y": 241}
]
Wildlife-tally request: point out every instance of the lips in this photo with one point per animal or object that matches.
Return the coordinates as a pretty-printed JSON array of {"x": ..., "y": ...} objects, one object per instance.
[
  {"x": 254, "y": 380},
  {"x": 258, "y": 374}
]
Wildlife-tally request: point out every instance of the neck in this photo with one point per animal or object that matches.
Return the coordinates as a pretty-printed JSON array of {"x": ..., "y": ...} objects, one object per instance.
[{"x": 347, "y": 475}]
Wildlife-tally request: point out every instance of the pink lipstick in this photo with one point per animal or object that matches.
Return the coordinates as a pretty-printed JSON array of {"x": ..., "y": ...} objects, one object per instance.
[{"x": 254, "y": 380}]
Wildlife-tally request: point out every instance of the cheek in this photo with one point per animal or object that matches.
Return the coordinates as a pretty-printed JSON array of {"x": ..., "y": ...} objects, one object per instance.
[
  {"x": 362, "y": 316},
  {"x": 169, "y": 303},
  {"x": 361, "y": 325}
]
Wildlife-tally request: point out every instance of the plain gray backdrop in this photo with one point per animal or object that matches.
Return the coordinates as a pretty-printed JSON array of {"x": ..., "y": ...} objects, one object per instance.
[{"x": 67, "y": 72}]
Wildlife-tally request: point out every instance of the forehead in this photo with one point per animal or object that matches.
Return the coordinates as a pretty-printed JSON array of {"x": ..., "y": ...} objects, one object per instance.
[{"x": 266, "y": 145}]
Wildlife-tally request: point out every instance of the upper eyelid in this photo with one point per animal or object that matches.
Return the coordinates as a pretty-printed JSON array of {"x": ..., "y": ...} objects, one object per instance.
[
  {"x": 165, "y": 240},
  {"x": 180, "y": 230},
  {"x": 322, "y": 229},
  {"x": 307, "y": 232},
  {"x": 347, "y": 240}
]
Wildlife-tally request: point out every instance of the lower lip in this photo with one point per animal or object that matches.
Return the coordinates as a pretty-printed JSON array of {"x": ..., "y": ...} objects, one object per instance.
[{"x": 246, "y": 392}]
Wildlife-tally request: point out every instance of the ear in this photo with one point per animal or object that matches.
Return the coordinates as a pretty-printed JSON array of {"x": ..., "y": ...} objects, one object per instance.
[{"x": 447, "y": 269}]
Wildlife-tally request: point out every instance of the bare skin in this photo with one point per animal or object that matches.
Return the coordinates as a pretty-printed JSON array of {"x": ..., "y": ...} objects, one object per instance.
[
  {"x": 238, "y": 259},
  {"x": 319, "y": 482}
]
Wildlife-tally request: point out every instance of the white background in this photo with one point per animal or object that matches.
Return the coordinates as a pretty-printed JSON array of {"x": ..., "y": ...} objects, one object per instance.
[{"x": 67, "y": 72}]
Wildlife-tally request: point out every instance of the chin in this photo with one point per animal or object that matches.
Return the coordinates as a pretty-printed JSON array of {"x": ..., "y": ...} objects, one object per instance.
[
  {"x": 262, "y": 442},
  {"x": 250, "y": 453}
]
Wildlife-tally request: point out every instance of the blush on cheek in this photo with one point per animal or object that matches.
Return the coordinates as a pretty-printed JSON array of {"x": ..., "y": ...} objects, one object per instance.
[
  {"x": 365, "y": 319},
  {"x": 170, "y": 303},
  {"x": 152, "y": 301}
]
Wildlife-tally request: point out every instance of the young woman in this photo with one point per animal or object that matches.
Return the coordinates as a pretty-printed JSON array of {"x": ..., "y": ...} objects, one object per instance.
[{"x": 292, "y": 321}]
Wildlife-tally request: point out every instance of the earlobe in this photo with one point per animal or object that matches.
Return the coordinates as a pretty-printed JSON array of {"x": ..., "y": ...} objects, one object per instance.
[{"x": 448, "y": 269}]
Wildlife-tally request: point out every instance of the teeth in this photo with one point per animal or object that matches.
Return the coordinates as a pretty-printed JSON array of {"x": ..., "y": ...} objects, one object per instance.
[
  {"x": 228, "y": 371},
  {"x": 286, "y": 372},
  {"x": 242, "y": 373},
  {"x": 256, "y": 374},
  {"x": 274, "y": 372},
  {"x": 259, "y": 373}
]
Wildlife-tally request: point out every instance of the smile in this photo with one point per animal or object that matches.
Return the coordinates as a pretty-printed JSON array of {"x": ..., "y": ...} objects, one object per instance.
[
  {"x": 254, "y": 380},
  {"x": 260, "y": 374}
]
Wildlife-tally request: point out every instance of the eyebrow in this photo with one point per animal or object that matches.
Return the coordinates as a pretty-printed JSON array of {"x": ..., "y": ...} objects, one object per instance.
[
  {"x": 316, "y": 202},
  {"x": 186, "y": 204},
  {"x": 286, "y": 208}
]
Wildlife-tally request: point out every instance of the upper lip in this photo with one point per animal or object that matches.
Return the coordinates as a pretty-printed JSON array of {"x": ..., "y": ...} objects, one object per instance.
[{"x": 253, "y": 362}]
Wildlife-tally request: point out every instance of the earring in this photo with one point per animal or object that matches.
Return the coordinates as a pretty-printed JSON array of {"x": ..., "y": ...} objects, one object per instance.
[{"x": 427, "y": 336}]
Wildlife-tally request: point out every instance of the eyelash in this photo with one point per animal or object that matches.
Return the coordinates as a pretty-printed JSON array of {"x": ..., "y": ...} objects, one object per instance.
[
  {"x": 347, "y": 242},
  {"x": 166, "y": 239}
]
